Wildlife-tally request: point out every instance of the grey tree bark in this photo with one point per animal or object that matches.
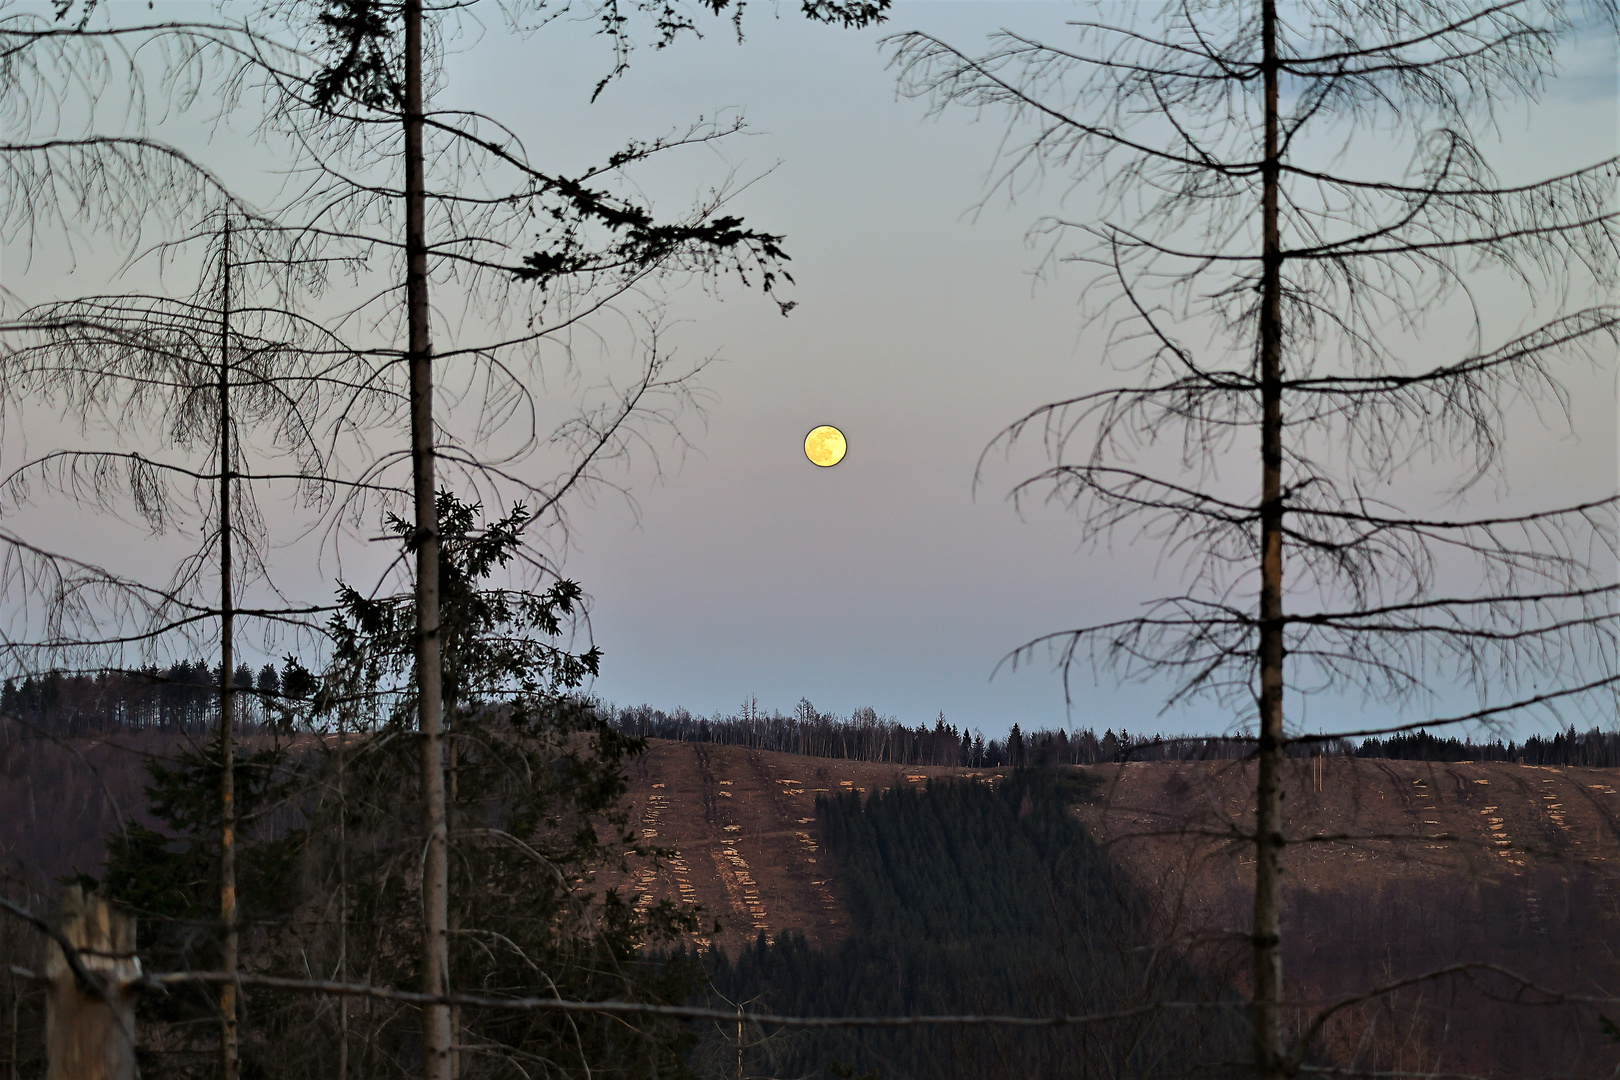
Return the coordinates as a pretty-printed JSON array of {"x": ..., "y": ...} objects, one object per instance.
[
  {"x": 228, "y": 1064},
  {"x": 436, "y": 1034},
  {"x": 90, "y": 1030},
  {"x": 1268, "y": 825}
]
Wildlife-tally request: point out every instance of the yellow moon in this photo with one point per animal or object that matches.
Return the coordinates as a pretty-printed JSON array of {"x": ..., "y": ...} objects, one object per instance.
[{"x": 825, "y": 446}]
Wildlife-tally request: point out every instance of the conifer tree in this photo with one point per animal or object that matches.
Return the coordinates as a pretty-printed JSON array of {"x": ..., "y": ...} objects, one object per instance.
[
  {"x": 535, "y": 781},
  {"x": 477, "y": 227},
  {"x": 211, "y": 397},
  {"x": 1279, "y": 311}
]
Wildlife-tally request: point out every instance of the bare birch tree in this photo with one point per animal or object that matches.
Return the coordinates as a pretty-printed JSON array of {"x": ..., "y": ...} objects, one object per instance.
[{"x": 1321, "y": 285}]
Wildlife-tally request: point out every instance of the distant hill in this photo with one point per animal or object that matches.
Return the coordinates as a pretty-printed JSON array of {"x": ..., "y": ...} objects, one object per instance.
[
  {"x": 1396, "y": 866},
  {"x": 60, "y": 797},
  {"x": 865, "y": 735},
  {"x": 1416, "y": 865},
  {"x": 980, "y": 898}
]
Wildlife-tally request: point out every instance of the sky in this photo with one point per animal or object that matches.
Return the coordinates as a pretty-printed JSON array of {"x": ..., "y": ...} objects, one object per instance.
[{"x": 926, "y": 320}]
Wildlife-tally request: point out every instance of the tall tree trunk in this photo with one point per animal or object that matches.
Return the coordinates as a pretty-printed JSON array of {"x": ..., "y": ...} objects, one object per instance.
[
  {"x": 343, "y": 895},
  {"x": 1268, "y": 839},
  {"x": 451, "y": 800},
  {"x": 435, "y": 884},
  {"x": 227, "y": 696}
]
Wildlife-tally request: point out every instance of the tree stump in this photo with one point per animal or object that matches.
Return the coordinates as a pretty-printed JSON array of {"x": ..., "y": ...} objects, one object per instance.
[{"x": 90, "y": 1029}]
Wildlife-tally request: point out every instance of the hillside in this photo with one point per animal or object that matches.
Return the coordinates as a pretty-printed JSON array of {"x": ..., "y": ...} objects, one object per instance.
[
  {"x": 1397, "y": 868},
  {"x": 982, "y": 898},
  {"x": 1394, "y": 868},
  {"x": 742, "y": 827},
  {"x": 1370, "y": 825},
  {"x": 742, "y": 824},
  {"x": 60, "y": 797}
]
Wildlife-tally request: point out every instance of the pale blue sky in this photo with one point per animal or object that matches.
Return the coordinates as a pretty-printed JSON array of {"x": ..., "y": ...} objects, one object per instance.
[{"x": 920, "y": 331}]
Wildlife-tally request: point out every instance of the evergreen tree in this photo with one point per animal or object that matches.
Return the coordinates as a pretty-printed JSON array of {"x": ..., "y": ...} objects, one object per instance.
[
  {"x": 1015, "y": 748},
  {"x": 968, "y": 899},
  {"x": 535, "y": 785},
  {"x": 168, "y": 877}
]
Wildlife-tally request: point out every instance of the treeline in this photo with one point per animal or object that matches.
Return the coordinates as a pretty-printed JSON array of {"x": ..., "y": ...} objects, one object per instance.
[
  {"x": 867, "y": 736},
  {"x": 183, "y": 697},
  {"x": 1592, "y": 748}
]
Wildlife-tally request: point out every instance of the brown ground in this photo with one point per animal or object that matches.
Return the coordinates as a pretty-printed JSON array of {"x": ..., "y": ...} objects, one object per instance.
[
  {"x": 1365, "y": 824},
  {"x": 1399, "y": 868},
  {"x": 1393, "y": 868},
  {"x": 741, "y": 826}
]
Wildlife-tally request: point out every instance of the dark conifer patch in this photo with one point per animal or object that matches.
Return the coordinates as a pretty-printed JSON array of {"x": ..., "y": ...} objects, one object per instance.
[{"x": 975, "y": 898}]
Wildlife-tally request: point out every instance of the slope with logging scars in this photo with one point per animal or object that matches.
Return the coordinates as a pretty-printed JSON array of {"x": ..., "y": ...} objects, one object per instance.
[
  {"x": 1012, "y": 896},
  {"x": 982, "y": 897},
  {"x": 966, "y": 899}
]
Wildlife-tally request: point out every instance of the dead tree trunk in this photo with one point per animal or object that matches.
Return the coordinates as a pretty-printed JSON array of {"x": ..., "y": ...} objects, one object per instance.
[
  {"x": 90, "y": 1013},
  {"x": 1268, "y": 839},
  {"x": 435, "y": 866},
  {"x": 1337, "y": 273},
  {"x": 227, "y": 712}
]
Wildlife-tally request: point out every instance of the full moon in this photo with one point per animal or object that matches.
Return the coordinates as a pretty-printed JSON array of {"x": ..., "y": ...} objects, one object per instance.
[{"x": 825, "y": 446}]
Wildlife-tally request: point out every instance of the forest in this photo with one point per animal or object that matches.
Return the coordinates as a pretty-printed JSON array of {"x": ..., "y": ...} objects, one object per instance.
[
  {"x": 867, "y": 736},
  {"x": 973, "y": 899},
  {"x": 341, "y": 321},
  {"x": 184, "y": 699}
]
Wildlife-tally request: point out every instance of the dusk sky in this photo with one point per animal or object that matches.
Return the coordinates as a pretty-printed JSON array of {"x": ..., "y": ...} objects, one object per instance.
[{"x": 921, "y": 328}]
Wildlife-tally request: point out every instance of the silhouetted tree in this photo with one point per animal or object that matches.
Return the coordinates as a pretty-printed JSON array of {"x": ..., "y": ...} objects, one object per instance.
[
  {"x": 536, "y": 780},
  {"x": 1197, "y": 125},
  {"x": 478, "y": 230},
  {"x": 204, "y": 396}
]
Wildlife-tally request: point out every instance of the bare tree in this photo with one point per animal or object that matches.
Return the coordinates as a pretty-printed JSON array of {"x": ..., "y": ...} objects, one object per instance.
[
  {"x": 420, "y": 196},
  {"x": 80, "y": 166},
  {"x": 80, "y": 93},
  {"x": 188, "y": 376},
  {"x": 452, "y": 199},
  {"x": 1200, "y": 127}
]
